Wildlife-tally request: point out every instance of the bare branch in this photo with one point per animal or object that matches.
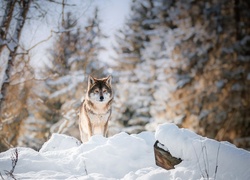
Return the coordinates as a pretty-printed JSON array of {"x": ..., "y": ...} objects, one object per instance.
[
  {"x": 89, "y": 5},
  {"x": 42, "y": 12},
  {"x": 63, "y": 22},
  {"x": 205, "y": 160},
  {"x": 7, "y": 18},
  {"x": 48, "y": 38},
  {"x": 1, "y": 176},
  {"x": 28, "y": 80},
  {"x": 26, "y": 51},
  {"x": 14, "y": 159},
  {"x": 62, "y": 3},
  {"x": 217, "y": 157}
]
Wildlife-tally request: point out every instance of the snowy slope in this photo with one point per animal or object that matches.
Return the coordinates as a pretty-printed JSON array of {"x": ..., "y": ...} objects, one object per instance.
[{"x": 126, "y": 156}]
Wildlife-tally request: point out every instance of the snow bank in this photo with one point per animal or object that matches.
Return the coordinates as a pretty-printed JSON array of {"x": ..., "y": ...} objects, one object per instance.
[
  {"x": 202, "y": 156},
  {"x": 65, "y": 157},
  {"x": 129, "y": 157}
]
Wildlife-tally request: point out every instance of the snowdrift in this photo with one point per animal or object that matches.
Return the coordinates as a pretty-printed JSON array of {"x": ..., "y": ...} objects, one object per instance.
[{"x": 126, "y": 156}]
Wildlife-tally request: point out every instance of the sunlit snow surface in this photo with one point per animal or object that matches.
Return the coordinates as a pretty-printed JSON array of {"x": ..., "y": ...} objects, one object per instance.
[{"x": 126, "y": 156}]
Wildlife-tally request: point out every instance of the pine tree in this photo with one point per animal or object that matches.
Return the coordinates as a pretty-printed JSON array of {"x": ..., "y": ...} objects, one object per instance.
[
  {"x": 134, "y": 70},
  {"x": 208, "y": 69},
  {"x": 194, "y": 61},
  {"x": 74, "y": 57}
]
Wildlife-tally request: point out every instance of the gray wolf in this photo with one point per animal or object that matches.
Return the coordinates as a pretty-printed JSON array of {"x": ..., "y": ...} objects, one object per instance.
[{"x": 95, "y": 111}]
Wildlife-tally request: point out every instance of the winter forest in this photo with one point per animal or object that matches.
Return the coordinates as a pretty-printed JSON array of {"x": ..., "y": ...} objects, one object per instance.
[{"x": 185, "y": 62}]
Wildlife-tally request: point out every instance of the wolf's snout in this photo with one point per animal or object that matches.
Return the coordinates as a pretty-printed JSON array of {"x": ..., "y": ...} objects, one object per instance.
[{"x": 101, "y": 98}]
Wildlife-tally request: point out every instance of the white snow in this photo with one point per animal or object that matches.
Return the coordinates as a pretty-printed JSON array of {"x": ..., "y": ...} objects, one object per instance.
[
  {"x": 201, "y": 155},
  {"x": 124, "y": 156}
]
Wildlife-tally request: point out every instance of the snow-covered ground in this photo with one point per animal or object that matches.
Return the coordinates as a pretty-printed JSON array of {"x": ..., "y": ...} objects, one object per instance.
[{"x": 126, "y": 156}]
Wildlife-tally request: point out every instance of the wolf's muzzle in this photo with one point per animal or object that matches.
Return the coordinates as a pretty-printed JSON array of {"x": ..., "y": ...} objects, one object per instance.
[{"x": 101, "y": 98}]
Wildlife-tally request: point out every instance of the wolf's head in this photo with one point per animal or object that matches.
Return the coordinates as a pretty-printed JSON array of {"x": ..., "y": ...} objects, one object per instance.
[{"x": 99, "y": 90}]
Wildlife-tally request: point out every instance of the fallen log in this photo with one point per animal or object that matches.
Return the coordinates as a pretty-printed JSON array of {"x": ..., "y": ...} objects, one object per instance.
[{"x": 163, "y": 158}]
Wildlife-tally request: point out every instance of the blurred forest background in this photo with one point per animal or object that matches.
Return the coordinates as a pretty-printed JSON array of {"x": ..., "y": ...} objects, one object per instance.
[{"x": 186, "y": 62}]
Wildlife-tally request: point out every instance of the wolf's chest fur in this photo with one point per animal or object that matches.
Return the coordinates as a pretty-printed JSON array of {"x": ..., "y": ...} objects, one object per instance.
[
  {"x": 98, "y": 121},
  {"x": 99, "y": 118}
]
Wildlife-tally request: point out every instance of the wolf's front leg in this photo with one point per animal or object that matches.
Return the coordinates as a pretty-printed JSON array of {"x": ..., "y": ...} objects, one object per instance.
[{"x": 83, "y": 135}]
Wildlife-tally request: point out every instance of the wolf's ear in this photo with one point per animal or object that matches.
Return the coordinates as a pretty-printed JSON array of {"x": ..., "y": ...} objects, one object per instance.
[
  {"x": 91, "y": 81},
  {"x": 108, "y": 80}
]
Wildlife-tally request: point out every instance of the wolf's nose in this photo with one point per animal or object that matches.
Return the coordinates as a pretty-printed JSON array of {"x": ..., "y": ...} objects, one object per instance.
[{"x": 101, "y": 98}]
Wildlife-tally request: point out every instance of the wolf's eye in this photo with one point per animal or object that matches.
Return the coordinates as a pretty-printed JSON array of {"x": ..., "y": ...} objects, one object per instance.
[
  {"x": 104, "y": 90},
  {"x": 96, "y": 91}
]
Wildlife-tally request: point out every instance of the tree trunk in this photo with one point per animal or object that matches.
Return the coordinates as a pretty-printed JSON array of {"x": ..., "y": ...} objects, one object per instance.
[
  {"x": 4, "y": 51},
  {"x": 10, "y": 42},
  {"x": 8, "y": 47}
]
